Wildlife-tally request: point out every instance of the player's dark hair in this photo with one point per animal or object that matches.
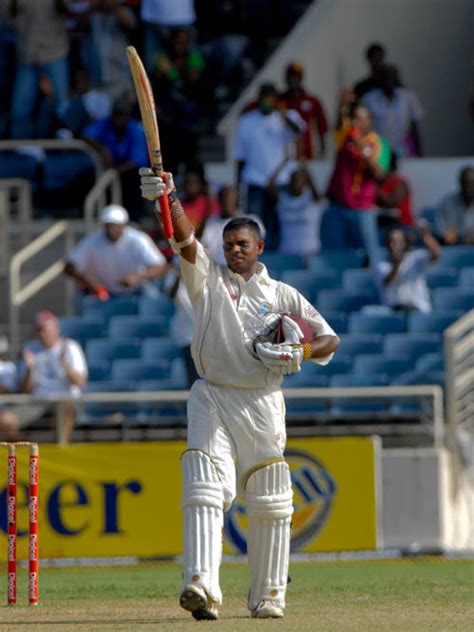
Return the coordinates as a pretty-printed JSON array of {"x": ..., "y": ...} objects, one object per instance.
[{"x": 243, "y": 222}]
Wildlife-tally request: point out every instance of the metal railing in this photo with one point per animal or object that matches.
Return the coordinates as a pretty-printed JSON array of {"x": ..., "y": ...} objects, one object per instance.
[
  {"x": 20, "y": 295},
  {"x": 459, "y": 366},
  {"x": 4, "y": 230},
  {"x": 24, "y": 203},
  {"x": 433, "y": 424},
  {"x": 97, "y": 197}
]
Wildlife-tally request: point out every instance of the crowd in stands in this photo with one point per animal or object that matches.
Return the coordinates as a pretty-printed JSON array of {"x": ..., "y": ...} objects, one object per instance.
[{"x": 64, "y": 66}]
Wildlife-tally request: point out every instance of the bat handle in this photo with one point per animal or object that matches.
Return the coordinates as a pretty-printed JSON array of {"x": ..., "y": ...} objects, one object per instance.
[{"x": 166, "y": 216}]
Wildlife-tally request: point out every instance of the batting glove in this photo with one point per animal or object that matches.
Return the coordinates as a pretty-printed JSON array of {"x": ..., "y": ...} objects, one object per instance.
[
  {"x": 153, "y": 186},
  {"x": 281, "y": 359},
  {"x": 293, "y": 336}
]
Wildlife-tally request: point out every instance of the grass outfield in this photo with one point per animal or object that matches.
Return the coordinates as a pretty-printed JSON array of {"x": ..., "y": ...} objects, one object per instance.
[{"x": 410, "y": 595}]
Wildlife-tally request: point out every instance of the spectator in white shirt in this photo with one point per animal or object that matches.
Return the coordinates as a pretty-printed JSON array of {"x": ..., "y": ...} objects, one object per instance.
[
  {"x": 9, "y": 424},
  {"x": 402, "y": 279},
  {"x": 455, "y": 216},
  {"x": 117, "y": 259},
  {"x": 52, "y": 365}
]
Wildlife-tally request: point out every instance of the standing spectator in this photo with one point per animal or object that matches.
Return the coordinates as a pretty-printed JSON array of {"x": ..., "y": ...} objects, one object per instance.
[
  {"x": 42, "y": 47},
  {"x": 117, "y": 259},
  {"x": 396, "y": 113},
  {"x": 228, "y": 198},
  {"x": 455, "y": 215},
  {"x": 9, "y": 424},
  {"x": 264, "y": 138},
  {"x": 198, "y": 202},
  {"x": 361, "y": 162},
  {"x": 120, "y": 141},
  {"x": 375, "y": 55},
  {"x": 402, "y": 279},
  {"x": 85, "y": 104},
  {"x": 110, "y": 28},
  {"x": 52, "y": 365},
  {"x": 159, "y": 17},
  {"x": 177, "y": 80},
  {"x": 236, "y": 425},
  {"x": 394, "y": 193},
  {"x": 299, "y": 214},
  {"x": 309, "y": 107}
]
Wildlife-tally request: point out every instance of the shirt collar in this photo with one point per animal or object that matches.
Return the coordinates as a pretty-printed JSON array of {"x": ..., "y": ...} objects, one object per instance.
[{"x": 261, "y": 275}]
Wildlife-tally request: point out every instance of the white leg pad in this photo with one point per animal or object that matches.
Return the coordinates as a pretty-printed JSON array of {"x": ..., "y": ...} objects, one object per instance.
[
  {"x": 269, "y": 507},
  {"x": 203, "y": 502}
]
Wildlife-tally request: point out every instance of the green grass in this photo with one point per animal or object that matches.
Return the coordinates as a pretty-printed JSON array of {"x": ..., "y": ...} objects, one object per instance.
[{"x": 408, "y": 595}]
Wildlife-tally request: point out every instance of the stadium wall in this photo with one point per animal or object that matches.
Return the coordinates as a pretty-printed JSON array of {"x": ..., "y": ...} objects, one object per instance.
[{"x": 429, "y": 40}]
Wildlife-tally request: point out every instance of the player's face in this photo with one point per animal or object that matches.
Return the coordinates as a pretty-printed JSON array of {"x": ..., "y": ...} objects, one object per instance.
[{"x": 241, "y": 251}]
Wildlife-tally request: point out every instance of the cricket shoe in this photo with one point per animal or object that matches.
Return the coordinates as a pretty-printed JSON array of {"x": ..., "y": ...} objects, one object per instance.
[
  {"x": 194, "y": 598},
  {"x": 267, "y": 609}
]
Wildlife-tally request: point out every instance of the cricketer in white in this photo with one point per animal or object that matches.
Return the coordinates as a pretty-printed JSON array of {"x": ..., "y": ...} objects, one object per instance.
[{"x": 236, "y": 412}]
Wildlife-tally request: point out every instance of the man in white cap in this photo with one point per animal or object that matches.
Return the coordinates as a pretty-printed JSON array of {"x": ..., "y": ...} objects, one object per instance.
[{"x": 117, "y": 259}]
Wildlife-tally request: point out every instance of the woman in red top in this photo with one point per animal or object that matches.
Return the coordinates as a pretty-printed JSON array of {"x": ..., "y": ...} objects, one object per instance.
[{"x": 394, "y": 193}]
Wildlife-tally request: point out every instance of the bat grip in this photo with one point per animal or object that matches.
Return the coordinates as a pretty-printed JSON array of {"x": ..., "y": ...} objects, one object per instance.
[{"x": 166, "y": 215}]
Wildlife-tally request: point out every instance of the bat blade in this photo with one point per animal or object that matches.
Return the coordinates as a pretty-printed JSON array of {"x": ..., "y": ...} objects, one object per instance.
[{"x": 147, "y": 107}]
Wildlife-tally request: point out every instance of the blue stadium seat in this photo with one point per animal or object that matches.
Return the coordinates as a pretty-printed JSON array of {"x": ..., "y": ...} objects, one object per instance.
[
  {"x": 82, "y": 329},
  {"x": 338, "y": 260},
  {"x": 434, "y": 322},
  {"x": 63, "y": 168},
  {"x": 342, "y": 300},
  {"x": 15, "y": 164},
  {"x": 156, "y": 306},
  {"x": 350, "y": 405},
  {"x": 309, "y": 282},
  {"x": 336, "y": 320},
  {"x": 156, "y": 411},
  {"x": 280, "y": 262},
  {"x": 306, "y": 379},
  {"x": 116, "y": 306},
  {"x": 133, "y": 371},
  {"x": 376, "y": 323},
  {"x": 430, "y": 362},
  {"x": 339, "y": 364},
  {"x": 466, "y": 278},
  {"x": 441, "y": 277},
  {"x": 98, "y": 371},
  {"x": 138, "y": 327},
  {"x": 98, "y": 349},
  {"x": 371, "y": 364},
  {"x": 157, "y": 349},
  {"x": 412, "y": 346},
  {"x": 352, "y": 344},
  {"x": 457, "y": 257},
  {"x": 415, "y": 377},
  {"x": 454, "y": 297},
  {"x": 178, "y": 374},
  {"x": 359, "y": 280},
  {"x": 100, "y": 411}
]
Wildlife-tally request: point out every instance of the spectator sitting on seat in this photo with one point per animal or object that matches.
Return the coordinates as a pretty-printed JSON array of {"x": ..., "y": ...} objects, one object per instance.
[
  {"x": 361, "y": 162},
  {"x": 299, "y": 214},
  {"x": 375, "y": 55},
  {"x": 9, "y": 424},
  {"x": 394, "y": 193},
  {"x": 120, "y": 141},
  {"x": 117, "y": 259},
  {"x": 52, "y": 366},
  {"x": 455, "y": 215},
  {"x": 309, "y": 107},
  {"x": 402, "y": 279},
  {"x": 228, "y": 198},
  {"x": 198, "y": 202},
  {"x": 396, "y": 113}
]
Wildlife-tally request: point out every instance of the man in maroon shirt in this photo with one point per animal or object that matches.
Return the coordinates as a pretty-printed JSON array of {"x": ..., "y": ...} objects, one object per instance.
[{"x": 309, "y": 108}]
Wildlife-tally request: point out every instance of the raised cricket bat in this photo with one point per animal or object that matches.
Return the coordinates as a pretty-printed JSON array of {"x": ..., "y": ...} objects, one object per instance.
[{"x": 148, "y": 113}]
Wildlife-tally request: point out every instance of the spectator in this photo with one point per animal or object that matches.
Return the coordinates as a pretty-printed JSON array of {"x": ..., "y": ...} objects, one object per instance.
[
  {"x": 455, "y": 216},
  {"x": 176, "y": 76},
  {"x": 117, "y": 259},
  {"x": 309, "y": 107},
  {"x": 361, "y": 162},
  {"x": 394, "y": 193},
  {"x": 159, "y": 17},
  {"x": 198, "y": 202},
  {"x": 9, "y": 424},
  {"x": 42, "y": 47},
  {"x": 299, "y": 215},
  {"x": 85, "y": 105},
  {"x": 264, "y": 138},
  {"x": 52, "y": 366},
  {"x": 110, "y": 28},
  {"x": 212, "y": 235},
  {"x": 396, "y": 113},
  {"x": 402, "y": 279},
  {"x": 375, "y": 55},
  {"x": 120, "y": 141}
]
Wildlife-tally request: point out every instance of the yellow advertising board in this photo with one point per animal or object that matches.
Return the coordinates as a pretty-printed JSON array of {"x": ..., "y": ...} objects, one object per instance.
[{"x": 124, "y": 499}]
